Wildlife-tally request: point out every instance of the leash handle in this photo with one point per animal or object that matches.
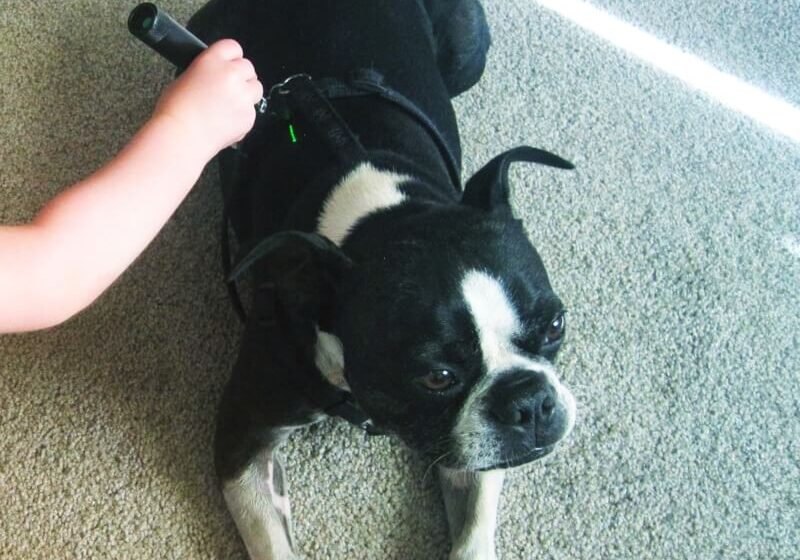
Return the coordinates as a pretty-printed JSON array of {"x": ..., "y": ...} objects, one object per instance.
[
  {"x": 159, "y": 31},
  {"x": 156, "y": 29}
]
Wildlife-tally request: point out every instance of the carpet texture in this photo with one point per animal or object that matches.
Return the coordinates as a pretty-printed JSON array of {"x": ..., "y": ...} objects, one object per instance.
[{"x": 675, "y": 244}]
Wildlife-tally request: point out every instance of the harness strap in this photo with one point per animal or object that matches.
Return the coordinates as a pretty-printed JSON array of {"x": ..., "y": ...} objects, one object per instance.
[
  {"x": 370, "y": 82},
  {"x": 225, "y": 242},
  {"x": 299, "y": 98}
]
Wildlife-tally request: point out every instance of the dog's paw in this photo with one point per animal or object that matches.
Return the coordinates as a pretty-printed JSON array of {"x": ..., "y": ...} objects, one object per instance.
[
  {"x": 473, "y": 553},
  {"x": 279, "y": 556}
]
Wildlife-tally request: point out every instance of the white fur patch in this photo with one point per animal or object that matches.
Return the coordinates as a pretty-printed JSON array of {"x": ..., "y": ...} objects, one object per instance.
[
  {"x": 330, "y": 359},
  {"x": 364, "y": 191},
  {"x": 494, "y": 317},
  {"x": 257, "y": 509},
  {"x": 476, "y": 539}
]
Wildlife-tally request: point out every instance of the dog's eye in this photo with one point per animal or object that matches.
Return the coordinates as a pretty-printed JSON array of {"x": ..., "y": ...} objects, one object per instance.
[
  {"x": 555, "y": 330},
  {"x": 438, "y": 380}
]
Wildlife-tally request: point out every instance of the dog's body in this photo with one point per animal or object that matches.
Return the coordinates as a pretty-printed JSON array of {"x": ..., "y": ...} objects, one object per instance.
[{"x": 437, "y": 304}]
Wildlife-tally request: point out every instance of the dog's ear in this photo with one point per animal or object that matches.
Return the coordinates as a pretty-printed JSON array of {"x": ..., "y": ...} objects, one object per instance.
[
  {"x": 488, "y": 189},
  {"x": 303, "y": 272}
]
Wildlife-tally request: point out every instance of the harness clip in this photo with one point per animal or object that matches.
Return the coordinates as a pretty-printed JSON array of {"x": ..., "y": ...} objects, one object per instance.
[{"x": 278, "y": 98}]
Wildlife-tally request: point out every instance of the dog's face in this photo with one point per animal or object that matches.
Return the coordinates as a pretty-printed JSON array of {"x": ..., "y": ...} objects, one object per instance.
[{"x": 450, "y": 326}]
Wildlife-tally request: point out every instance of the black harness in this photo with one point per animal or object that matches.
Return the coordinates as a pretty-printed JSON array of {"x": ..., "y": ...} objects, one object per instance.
[{"x": 300, "y": 96}]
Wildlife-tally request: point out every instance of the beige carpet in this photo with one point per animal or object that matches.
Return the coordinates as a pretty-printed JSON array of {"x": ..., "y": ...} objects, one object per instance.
[{"x": 674, "y": 244}]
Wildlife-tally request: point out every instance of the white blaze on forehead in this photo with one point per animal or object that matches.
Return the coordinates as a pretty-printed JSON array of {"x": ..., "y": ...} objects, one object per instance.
[
  {"x": 495, "y": 319},
  {"x": 362, "y": 192}
]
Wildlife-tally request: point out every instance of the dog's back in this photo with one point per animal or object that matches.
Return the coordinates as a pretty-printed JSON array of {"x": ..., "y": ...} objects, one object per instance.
[
  {"x": 331, "y": 37},
  {"x": 416, "y": 56}
]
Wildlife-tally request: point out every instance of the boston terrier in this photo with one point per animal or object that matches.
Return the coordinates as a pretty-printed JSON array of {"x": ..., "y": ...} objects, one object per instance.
[{"x": 383, "y": 291}]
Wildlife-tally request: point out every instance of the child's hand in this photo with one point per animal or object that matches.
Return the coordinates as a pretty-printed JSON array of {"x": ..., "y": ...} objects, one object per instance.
[{"x": 213, "y": 100}]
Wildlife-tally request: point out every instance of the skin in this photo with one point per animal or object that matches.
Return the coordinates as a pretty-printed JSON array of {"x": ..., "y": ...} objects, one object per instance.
[{"x": 85, "y": 238}]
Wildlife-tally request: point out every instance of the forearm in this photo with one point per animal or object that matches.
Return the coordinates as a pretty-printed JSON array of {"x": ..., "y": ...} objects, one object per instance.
[{"x": 88, "y": 235}]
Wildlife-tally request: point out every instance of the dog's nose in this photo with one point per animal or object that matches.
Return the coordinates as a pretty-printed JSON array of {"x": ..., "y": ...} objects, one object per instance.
[
  {"x": 544, "y": 404},
  {"x": 525, "y": 399},
  {"x": 523, "y": 410}
]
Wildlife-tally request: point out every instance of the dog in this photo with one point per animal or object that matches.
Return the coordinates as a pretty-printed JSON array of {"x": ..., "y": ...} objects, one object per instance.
[{"x": 384, "y": 291}]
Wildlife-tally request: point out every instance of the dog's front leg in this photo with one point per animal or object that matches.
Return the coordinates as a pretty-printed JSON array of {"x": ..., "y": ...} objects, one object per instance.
[
  {"x": 471, "y": 500},
  {"x": 258, "y": 501}
]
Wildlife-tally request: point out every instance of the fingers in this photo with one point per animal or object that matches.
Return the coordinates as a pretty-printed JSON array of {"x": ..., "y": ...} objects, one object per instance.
[
  {"x": 244, "y": 68},
  {"x": 228, "y": 49},
  {"x": 255, "y": 90},
  {"x": 245, "y": 71}
]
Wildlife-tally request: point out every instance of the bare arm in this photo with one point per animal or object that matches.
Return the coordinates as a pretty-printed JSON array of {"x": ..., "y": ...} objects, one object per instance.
[{"x": 89, "y": 234}]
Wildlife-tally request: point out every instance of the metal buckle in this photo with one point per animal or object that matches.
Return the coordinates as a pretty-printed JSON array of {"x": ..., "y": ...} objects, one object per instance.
[{"x": 278, "y": 94}]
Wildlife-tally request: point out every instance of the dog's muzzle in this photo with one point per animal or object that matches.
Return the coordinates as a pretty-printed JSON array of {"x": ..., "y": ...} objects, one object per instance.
[{"x": 526, "y": 401}]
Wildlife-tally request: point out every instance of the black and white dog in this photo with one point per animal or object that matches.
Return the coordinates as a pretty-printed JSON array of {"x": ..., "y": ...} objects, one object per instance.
[{"x": 383, "y": 291}]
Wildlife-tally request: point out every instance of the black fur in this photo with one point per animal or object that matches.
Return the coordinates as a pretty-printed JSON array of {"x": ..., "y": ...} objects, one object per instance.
[
  {"x": 427, "y": 51},
  {"x": 391, "y": 292}
]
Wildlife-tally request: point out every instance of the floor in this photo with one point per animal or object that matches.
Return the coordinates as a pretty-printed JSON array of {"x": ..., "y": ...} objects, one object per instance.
[{"x": 675, "y": 244}]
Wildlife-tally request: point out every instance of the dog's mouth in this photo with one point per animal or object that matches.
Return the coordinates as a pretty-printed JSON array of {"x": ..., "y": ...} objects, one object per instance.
[{"x": 519, "y": 460}]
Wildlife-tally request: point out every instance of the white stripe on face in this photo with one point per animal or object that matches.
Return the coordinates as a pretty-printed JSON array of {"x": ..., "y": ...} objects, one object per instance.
[
  {"x": 495, "y": 319},
  {"x": 364, "y": 191}
]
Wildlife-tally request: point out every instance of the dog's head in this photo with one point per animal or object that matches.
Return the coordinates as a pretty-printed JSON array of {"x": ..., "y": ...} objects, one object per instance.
[{"x": 450, "y": 326}]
